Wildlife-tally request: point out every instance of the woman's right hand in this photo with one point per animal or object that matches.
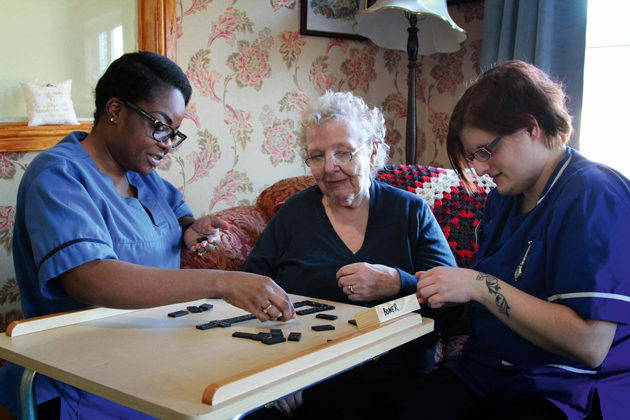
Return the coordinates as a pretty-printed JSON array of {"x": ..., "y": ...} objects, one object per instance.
[
  {"x": 441, "y": 286},
  {"x": 258, "y": 295}
]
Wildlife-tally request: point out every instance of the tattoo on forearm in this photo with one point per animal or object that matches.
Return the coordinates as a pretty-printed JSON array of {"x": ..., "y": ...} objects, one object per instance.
[{"x": 493, "y": 287}]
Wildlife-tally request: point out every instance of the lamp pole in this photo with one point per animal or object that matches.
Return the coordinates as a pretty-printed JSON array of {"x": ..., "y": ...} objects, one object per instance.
[
  {"x": 385, "y": 22},
  {"x": 412, "y": 51}
]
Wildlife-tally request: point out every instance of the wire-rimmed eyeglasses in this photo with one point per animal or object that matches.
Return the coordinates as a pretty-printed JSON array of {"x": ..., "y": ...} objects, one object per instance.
[
  {"x": 485, "y": 152},
  {"x": 340, "y": 158},
  {"x": 162, "y": 132}
]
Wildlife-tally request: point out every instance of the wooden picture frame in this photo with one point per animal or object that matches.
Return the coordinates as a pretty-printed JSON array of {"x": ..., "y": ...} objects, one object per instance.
[{"x": 314, "y": 23}]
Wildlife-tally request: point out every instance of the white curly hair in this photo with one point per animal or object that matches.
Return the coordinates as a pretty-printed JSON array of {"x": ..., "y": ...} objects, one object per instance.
[{"x": 345, "y": 106}]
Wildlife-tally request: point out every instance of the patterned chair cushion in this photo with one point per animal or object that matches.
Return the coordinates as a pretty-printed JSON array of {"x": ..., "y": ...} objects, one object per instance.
[
  {"x": 271, "y": 198},
  {"x": 246, "y": 225},
  {"x": 9, "y": 294},
  {"x": 455, "y": 346},
  {"x": 440, "y": 347}
]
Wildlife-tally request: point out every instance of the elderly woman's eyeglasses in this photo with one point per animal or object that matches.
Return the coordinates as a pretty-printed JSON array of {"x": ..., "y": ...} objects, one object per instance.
[
  {"x": 485, "y": 152},
  {"x": 341, "y": 158},
  {"x": 162, "y": 132}
]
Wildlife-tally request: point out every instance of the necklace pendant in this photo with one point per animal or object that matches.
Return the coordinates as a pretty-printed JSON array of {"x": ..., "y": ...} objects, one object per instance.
[{"x": 518, "y": 274}]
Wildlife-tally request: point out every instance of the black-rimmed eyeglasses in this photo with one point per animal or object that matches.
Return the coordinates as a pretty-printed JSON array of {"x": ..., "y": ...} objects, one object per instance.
[
  {"x": 162, "y": 132},
  {"x": 338, "y": 159},
  {"x": 485, "y": 152}
]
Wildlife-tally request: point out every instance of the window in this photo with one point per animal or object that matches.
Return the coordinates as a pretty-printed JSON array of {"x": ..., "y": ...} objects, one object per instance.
[
  {"x": 110, "y": 47},
  {"x": 53, "y": 41},
  {"x": 605, "y": 129}
]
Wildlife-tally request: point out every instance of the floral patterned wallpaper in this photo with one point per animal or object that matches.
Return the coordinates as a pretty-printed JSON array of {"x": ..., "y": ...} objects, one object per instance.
[{"x": 252, "y": 75}]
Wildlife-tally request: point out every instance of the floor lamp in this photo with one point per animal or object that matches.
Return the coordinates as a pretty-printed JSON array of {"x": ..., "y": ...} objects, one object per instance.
[{"x": 385, "y": 24}]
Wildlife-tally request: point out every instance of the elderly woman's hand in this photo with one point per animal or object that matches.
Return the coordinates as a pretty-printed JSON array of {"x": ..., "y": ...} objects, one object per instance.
[
  {"x": 207, "y": 227},
  {"x": 365, "y": 282}
]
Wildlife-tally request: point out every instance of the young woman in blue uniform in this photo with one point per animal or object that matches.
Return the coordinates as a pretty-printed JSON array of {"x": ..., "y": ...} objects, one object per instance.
[
  {"x": 550, "y": 296},
  {"x": 96, "y": 225}
]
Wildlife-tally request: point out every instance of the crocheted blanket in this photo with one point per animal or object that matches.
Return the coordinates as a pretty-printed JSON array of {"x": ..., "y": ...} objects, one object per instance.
[{"x": 457, "y": 212}]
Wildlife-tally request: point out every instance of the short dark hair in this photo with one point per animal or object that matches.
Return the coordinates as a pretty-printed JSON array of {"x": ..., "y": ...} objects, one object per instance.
[
  {"x": 503, "y": 100},
  {"x": 139, "y": 76}
]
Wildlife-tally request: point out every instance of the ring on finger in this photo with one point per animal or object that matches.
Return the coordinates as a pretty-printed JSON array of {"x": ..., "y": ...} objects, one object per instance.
[
  {"x": 267, "y": 308},
  {"x": 351, "y": 288}
]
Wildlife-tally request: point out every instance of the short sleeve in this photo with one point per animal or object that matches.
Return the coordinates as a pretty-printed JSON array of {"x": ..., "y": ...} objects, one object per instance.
[
  {"x": 65, "y": 226},
  {"x": 588, "y": 261}
]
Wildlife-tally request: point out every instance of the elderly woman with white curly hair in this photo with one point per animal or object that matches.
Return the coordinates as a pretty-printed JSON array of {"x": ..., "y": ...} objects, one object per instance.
[{"x": 350, "y": 239}]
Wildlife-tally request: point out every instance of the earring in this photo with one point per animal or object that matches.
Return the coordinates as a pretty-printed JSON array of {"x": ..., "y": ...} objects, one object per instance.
[{"x": 112, "y": 120}]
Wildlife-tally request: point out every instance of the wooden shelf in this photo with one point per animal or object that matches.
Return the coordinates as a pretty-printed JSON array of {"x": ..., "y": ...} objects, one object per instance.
[{"x": 19, "y": 137}]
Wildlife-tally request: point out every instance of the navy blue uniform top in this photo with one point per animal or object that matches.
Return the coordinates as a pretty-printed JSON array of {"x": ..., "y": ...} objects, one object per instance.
[
  {"x": 577, "y": 241},
  {"x": 301, "y": 251}
]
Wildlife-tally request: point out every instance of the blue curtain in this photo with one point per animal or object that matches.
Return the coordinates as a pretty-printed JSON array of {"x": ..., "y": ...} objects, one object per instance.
[{"x": 550, "y": 34}]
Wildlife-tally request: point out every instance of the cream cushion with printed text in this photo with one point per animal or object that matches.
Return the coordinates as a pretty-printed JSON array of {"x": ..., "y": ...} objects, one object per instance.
[{"x": 49, "y": 104}]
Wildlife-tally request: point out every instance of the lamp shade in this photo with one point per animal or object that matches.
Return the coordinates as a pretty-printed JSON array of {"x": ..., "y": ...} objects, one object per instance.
[{"x": 386, "y": 25}]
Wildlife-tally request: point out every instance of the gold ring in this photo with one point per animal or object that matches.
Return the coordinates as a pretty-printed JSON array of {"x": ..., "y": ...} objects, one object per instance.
[
  {"x": 267, "y": 308},
  {"x": 351, "y": 289}
]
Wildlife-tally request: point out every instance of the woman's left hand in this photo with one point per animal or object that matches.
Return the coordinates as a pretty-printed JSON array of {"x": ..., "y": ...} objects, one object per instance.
[
  {"x": 204, "y": 227},
  {"x": 365, "y": 282}
]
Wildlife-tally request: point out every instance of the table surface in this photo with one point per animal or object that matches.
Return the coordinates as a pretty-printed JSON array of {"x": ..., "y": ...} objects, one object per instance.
[{"x": 167, "y": 368}]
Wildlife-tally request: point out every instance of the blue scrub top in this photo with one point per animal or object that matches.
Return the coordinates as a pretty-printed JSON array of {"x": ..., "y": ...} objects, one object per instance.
[
  {"x": 68, "y": 213},
  {"x": 576, "y": 241}
]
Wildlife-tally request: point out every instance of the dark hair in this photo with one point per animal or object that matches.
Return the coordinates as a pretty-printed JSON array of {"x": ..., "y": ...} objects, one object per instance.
[
  {"x": 139, "y": 76},
  {"x": 503, "y": 100}
]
